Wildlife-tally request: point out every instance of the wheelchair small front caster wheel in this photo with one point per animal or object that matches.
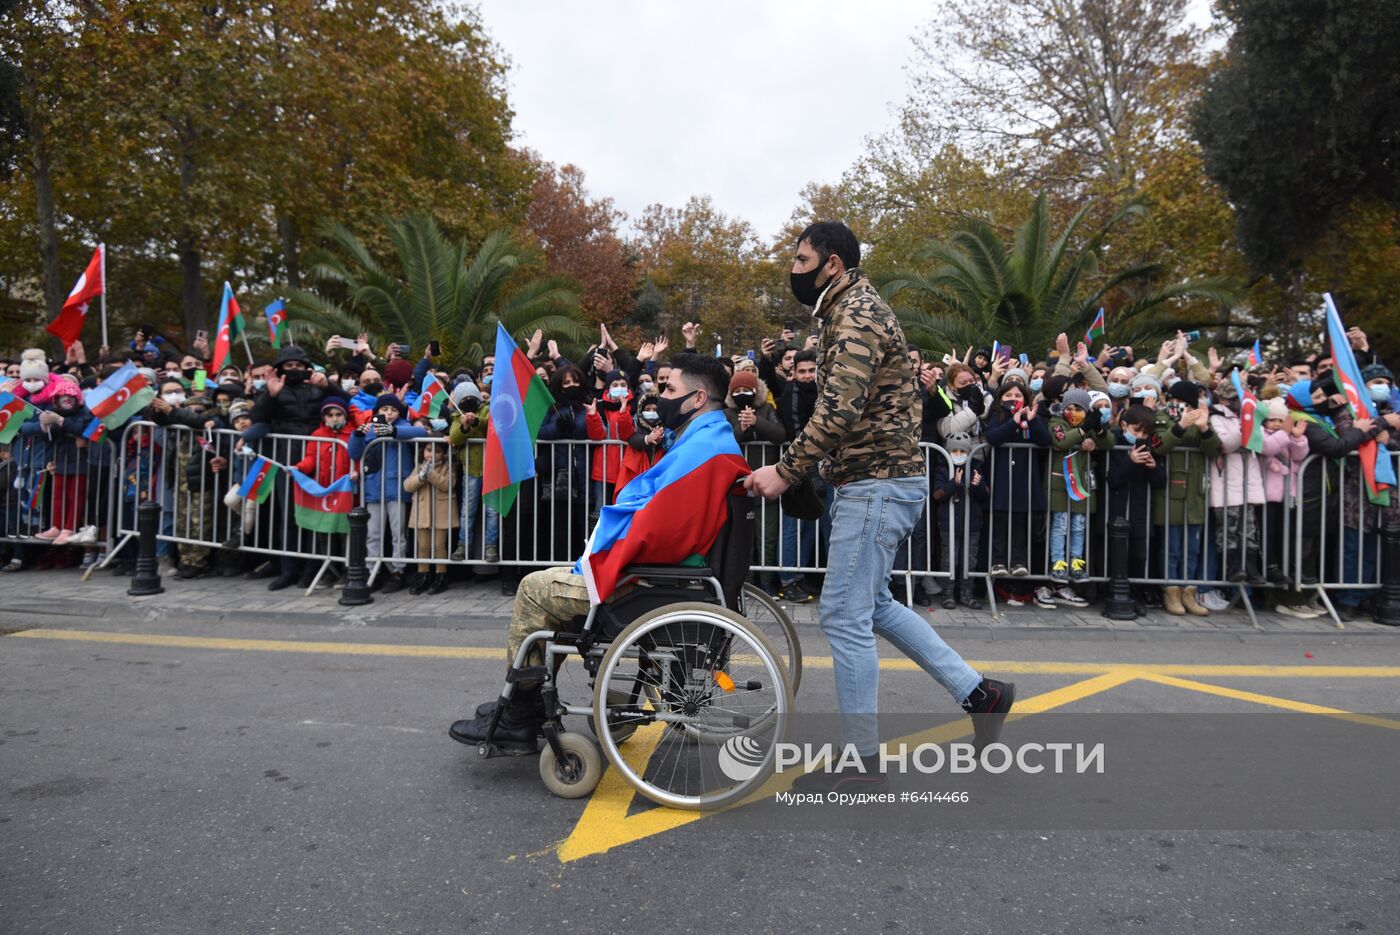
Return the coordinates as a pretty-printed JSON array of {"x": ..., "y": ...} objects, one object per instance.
[
  {"x": 482, "y": 750},
  {"x": 577, "y": 772}
]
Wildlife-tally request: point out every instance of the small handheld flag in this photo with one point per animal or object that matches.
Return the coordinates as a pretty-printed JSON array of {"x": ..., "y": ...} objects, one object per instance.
[
  {"x": 322, "y": 509},
  {"x": 258, "y": 483},
  {"x": 1096, "y": 328},
  {"x": 120, "y": 396},
  {"x": 1251, "y": 427},
  {"x": 36, "y": 498},
  {"x": 1379, "y": 472},
  {"x": 95, "y": 431},
  {"x": 431, "y": 396},
  {"x": 14, "y": 412},
  {"x": 276, "y": 323},
  {"x": 1255, "y": 357},
  {"x": 519, "y": 400},
  {"x": 68, "y": 326}
]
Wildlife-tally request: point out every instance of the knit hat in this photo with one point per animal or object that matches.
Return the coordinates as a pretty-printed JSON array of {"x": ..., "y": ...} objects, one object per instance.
[
  {"x": 397, "y": 373},
  {"x": 1186, "y": 391},
  {"x": 957, "y": 441},
  {"x": 389, "y": 399},
  {"x": 1276, "y": 408},
  {"x": 612, "y": 375},
  {"x": 1376, "y": 372},
  {"x": 33, "y": 365},
  {"x": 1078, "y": 397},
  {"x": 743, "y": 380},
  {"x": 239, "y": 407},
  {"x": 1146, "y": 381},
  {"x": 335, "y": 402},
  {"x": 1225, "y": 389},
  {"x": 1095, "y": 397},
  {"x": 200, "y": 400},
  {"x": 465, "y": 390},
  {"x": 65, "y": 385},
  {"x": 1016, "y": 373}
]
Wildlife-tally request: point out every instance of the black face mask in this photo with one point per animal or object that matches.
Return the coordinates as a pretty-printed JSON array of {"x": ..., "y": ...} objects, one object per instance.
[
  {"x": 372, "y": 389},
  {"x": 189, "y": 372},
  {"x": 804, "y": 285},
  {"x": 670, "y": 411},
  {"x": 571, "y": 394},
  {"x": 743, "y": 400},
  {"x": 296, "y": 376}
]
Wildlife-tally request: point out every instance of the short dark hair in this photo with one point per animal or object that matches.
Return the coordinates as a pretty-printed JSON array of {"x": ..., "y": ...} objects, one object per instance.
[
  {"x": 1139, "y": 415},
  {"x": 709, "y": 372},
  {"x": 804, "y": 356},
  {"x": 828, "y": 237}
]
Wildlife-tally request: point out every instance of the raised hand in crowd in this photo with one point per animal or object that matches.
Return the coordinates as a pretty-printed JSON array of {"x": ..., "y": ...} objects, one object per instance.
[
  {"x": 605, "y": 339},
  {"x": 553, "y": 347},
  {"x": 747, "y": 418},
  {"x": 788, "y": 335},
  {"x": 200, "y": 345},
  {"x": 767, "y": 346},
  {"x": 1062, "y": 346},
  {"x": 591, "y": 407},
  {"x": 602, "y": 362},
  {"x": 646, "y": 352},
  {"x": 928, "y": 377},
  {"x": 532, "y": 349},
  {"x": 1357, "y": 338},
  {"x": 275, "y": 382},
  {"x": 1081, "y": 357},
  {"x": 317, "y": 378},
  {"x": 1298, "y": 428},
  {"x": 656, "y": 435},
  {"x": 74, "y": 354},
  {"x": 1142, "y": 456},
  {"x": 813, "y": 342},
  {"x": 1213, "y": 360},
  {"x": 362, "y": 345},
  {"x": 660, "y": 346},
  {"x": 691, "y": 332}
]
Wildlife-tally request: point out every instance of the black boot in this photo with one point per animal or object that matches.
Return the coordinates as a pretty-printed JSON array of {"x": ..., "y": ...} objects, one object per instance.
[
  {"x": 421, "y": 585},
  {"x": 519, "y": 725},
  {"x": 439, "y": 583}
]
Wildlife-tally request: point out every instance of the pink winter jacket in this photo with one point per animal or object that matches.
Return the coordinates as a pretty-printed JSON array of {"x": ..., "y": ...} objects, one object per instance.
[
  {"x": 1284, "y": 453},
  {"x": 1237, "y": 476}
]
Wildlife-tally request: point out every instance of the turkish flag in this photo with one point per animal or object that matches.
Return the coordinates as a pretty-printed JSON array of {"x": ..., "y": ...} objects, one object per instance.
[{"x": 68, "y": 326}]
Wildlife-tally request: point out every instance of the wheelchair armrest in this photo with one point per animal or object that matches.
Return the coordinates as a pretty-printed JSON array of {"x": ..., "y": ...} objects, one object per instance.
[{"x": 674, "y": 572}]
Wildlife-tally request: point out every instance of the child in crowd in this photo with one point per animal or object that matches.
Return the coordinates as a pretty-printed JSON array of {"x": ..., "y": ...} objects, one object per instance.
[
  {"x": 327, "y": 460},
  {"x": 647, "y": 444},
  {"x": 1285, "y": 449},
  {"x": 609, "y": 419},
  {"x": 1074, "y": 433},
  {"x": 467, "y": 427},
  {"x": 433, "y": 485},
  {"x": 384, "y": 466},
  {"x": 1135, "y": 475},
  {"x": 959, "y": 493}
]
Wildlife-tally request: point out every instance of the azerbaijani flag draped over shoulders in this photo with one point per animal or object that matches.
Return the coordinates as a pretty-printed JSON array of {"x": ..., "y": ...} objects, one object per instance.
[
  {"x": 14, "y": 412},
  {"x": 68, "y": 326},
  {"x": 671, "y": 511},
  {"x": 322, "y": 509},
  {"x": 1379, "y": 472},
  {"x": 276, "y": 323},
  {"x": 230, "y": 327},
  {"x": 1251, "y": 428},
  {"x": 519, "y": 400},
  {"x": 1096, "y": 328},
  {"x": 120, "y": 396},
  {"x": 258, "y": 482},
  {"x": 431, "y": 395}
]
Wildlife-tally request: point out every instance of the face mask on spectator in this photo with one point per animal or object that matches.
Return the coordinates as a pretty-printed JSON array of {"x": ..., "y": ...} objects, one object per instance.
[
  {"x": 372, "y": 389},
  {"x": 174, "y": 399},
  {"x": 651, "y": 416},
  {"x": 259, "y": 384},
  {"x": 189, "y": 372},
  {"x": 1129, "y": 438},
  {"x": 1141, "y": 395},
  {"x": 646, "y": 388},
  {"x": 33, "y": 386},
  {"x": 959, "y": 458},
  {"x": 486, "y": 380},
  {"x": 671, "y": 415},
  {"x": 439, "y": 425},
  {"x": 1380, "y": 392},
  {"x": 334, "y": 419},
  {"x": 1118, "y": 390},
  {"x": 618, "y": 393},
  {"x": 743, "y": 400},
  {"x": 1074, "y": 415},
  {"x": 347, "y": 385},
  {"x": 571, "y": 394},
  {"x": 1036, "y": 384},
  {"x": 297, "y": 376}
]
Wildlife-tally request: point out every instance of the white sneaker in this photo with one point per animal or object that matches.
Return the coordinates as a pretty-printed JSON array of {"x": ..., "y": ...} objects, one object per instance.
[
  {"x": 166, "y": 566},
  {"x": 1044, "y": 597},
  {"x": 1213, "y": 600},
  {"x": 1068, "y": 597},
  {"x": 85, "y": 536},
  {"x": 1301, "y": 611}
]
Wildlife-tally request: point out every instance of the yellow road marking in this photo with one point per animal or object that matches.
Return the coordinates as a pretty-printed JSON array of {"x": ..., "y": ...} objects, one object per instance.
[
  {"x": 1000, "y": 667},
  {"x": 1272, "y": 701},
  {"x": 606, "y": 824}
]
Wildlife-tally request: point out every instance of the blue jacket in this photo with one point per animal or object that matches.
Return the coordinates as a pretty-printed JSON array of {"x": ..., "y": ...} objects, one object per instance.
[{"x": 386, "y": 462}]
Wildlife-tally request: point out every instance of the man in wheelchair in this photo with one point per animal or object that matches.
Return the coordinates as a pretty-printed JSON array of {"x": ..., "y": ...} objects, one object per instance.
[{"x": 668, "y": 515}]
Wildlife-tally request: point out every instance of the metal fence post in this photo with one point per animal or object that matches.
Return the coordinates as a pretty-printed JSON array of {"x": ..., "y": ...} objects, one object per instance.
[
  {"x": 1387, "y": 606},
  {"x": 146, "y": 581},
  {"x": 356, "y": 589},
  {"x": 1118, "y": 605}
]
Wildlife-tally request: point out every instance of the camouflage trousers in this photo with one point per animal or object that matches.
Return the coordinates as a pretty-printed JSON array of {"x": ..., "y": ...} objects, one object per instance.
[
  {"x": 194, "y": 519},
  {"x": 548, "y": 599}
]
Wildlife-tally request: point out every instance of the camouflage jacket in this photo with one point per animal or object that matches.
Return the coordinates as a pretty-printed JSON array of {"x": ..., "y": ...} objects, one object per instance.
[{"x": 867, "y": 417}]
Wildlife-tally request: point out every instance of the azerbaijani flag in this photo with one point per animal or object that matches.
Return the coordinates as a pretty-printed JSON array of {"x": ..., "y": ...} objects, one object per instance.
[
  {"x": 1255, "y": 357},
  {"x": 120, "y": 396},
  {"x": 1096, "y": 328},
  {"x": 1251, "y": 426},
  {"x": 68, "y": 326},
  {"x": 258, "y": 482},
  {"x": 519, "y": 400},
  {"x": 37, "y": 497},
  {"x": 230, "y": 327},
  {"x": 1379, "y": 472},
  {"x": 322, "y": 509},
  {"x": 670, "y": 512},
  {"x": 95, "y": 430},
  {"x": 14, "y": 412},
  {"x": 1074, "y": 482},
  {"x": 431, "y": 396},
  {"x": 276, "y": 323}
]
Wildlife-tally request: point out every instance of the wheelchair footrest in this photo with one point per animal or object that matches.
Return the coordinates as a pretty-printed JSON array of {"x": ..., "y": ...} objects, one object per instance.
[
  {"x": 528, "y": 674},
  {"x": 488, "y": 750}
]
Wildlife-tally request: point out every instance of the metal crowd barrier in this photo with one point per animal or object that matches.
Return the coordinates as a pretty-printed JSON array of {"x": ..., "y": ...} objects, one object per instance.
[{"x": 50, "y": 480}]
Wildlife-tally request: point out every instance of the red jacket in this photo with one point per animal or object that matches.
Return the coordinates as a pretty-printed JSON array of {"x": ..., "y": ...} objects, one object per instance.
[
  {"x": 619, "y": 427},
  {"x": 327, "y": 461}
]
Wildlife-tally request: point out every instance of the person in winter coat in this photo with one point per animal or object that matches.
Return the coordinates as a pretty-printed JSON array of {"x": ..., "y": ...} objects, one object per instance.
[
  {"x": 384, "y": 466},
  {"x": 61, "y": 422},
  {"x": 970, "y": 403},
  {"x": 1285, "y": 450},
  {"x": 1135, "y": 476},
  {"x": 608, "y": 419},
  {"x": 326, "y": 461},
  {"x": 959, "y": 492},
  {"x": 466, "y": 427},
  {"x": 1074, "y": 434},
  {"x": 647, "y": 444},
  {"x": 434, "y": 488},
  {"x": 759, "y": 433},
  {"x": 1188, "y": 444},
  {"x": 1015, "y": 472},
  {"x": 1236, "y": 483}
]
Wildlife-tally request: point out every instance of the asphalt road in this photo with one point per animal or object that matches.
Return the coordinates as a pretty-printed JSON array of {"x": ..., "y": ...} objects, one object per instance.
[{"x": 242, "y": 787}]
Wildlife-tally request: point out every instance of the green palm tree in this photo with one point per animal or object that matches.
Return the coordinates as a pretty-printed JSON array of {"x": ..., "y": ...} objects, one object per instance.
[
  {"x": 1026, "y": 293},
  {"x": 434, "y": 291}
]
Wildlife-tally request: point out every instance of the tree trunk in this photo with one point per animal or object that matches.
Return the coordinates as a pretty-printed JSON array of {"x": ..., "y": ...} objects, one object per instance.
[
  {"x": 43, "y": 192},
  {"x": 291, "y": 250},
  {"x": 191, "y": 289}
]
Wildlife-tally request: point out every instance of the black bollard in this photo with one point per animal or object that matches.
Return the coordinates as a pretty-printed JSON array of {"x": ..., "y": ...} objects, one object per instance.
[
  {"x": 356, "y": 591},
  {"x": 1387, "y": 603},
  {"x": 147, "y": 578},
  {"x": 1119, "y": 603}
]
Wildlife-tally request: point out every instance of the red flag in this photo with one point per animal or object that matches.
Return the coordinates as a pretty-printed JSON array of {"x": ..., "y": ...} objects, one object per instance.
[{"x": 68, "y": 326}]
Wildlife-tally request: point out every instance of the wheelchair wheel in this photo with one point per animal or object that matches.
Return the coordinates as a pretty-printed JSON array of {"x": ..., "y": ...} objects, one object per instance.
[
  {"x": 713, "y": 704},
  {"x": 577, "y": 773},
  {"x": 773, "y": 622},
  {"x": 617, "y": 696}
]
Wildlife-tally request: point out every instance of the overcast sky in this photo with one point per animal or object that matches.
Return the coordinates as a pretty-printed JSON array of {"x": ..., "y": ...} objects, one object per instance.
[{"x": 656, "y": 101}]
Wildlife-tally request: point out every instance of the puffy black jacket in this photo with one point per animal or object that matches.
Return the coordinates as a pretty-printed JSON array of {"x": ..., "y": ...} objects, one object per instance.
[{"x": 294, "y": 411}]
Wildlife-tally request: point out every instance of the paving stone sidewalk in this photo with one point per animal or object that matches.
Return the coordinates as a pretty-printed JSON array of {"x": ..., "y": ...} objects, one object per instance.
[{"x": 478, "y": 603}]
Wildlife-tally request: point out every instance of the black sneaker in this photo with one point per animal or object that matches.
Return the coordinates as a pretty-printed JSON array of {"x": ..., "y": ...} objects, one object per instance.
[
  {"x": 190, "y": 572},
  {"x": 988, "y": 705},
  {"x": 282, "y": 582},
  {"x": 797, "y": 593},
  {"x": 872, "y": 779},
  {"x": 393, "y": 583}
]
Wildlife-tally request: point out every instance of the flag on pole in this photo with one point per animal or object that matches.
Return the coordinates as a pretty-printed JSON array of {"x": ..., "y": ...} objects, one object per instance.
[
  {"x": 68, "y": 326},
  {"x": 276, "y": 323},
  {"x": 322, "y": 509},
  {"x": 519, "y": 400},
  {"x": 1074, "y": 480},
  {"x": 14, "y": 412},
  {"x": 1379, "y": 472},
  {"x": 258, "y": 482},
  {"x": 230, "y": 327},
  {"x": 1251, "y": 426},
  {"x": 431, "y": 396},
  {"x": 95, "y": 430},
  {"x": 1255, "y": 357},
  {"x": 37, "y": 496},
  {"x": 669, "y": 513},
  {"x": 1096, "y": 328},
  {"x": 120, "y": 396}
]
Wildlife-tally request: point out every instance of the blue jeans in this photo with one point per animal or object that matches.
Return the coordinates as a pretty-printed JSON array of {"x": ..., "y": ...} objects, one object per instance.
[
  {"x": 1177, "y": 569},
  {"x": 466, "y": 533},
  {"x": 869, "y": 519},
  {"x": 1358, "y": 566},
  {"x": 1076, "y": 523},
  {"x": 790, "y": 555}
]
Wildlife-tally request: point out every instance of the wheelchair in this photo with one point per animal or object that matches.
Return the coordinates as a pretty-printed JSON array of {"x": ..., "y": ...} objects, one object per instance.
[{"x": 691, "y": 674}]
